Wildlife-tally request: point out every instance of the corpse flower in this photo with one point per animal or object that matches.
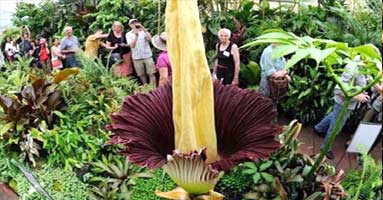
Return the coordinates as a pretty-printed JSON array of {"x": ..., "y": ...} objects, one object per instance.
[{"x": 244, "y": 131}]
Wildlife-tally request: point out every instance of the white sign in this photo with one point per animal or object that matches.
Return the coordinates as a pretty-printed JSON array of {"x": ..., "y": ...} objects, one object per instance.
[{"x": 364, "y": 137}]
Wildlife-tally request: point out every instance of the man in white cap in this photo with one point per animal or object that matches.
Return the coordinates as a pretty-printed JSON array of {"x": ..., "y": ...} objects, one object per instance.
[{"x": 138, "y": 39}]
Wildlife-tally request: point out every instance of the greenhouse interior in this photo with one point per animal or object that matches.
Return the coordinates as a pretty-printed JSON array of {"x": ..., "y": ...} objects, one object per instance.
[{"x": 191, "y": 99}]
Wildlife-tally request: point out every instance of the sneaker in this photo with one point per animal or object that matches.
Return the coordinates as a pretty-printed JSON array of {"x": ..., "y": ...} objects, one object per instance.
[
  {"x": 320, "y": 134},
  {"x": 330, "y": 155}
]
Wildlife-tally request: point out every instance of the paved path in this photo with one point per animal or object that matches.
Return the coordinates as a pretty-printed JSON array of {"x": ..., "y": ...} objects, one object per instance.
[{"x": 311, "y": 143}]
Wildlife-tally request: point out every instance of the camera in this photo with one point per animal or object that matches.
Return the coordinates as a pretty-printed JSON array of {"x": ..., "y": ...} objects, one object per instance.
[{"x": 138, "y": 26}]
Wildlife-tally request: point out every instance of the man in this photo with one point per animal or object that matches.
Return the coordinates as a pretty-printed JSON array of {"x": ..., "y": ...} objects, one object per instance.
[
  {"x": 325, "y": 127},
  {"x": 138, "y": 39},
  {"x": 68, "y": 47},
  {"x": 93, "y": 43}
]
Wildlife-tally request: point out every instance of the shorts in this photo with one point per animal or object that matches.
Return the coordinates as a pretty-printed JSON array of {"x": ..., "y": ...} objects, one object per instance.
[
  {"x": 70, "y": 62},
  {"x": 144, "y": 67}
]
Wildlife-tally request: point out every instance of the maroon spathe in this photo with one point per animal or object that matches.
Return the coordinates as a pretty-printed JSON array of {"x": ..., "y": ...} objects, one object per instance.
[{"x": 243, "y": 121}]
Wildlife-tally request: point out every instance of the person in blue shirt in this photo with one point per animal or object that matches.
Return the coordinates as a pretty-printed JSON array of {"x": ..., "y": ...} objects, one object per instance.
[{"x": 271, "y": 68}]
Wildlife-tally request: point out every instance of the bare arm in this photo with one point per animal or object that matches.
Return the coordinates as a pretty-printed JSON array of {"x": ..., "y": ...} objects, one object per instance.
[
  {"x": 235, "y": 52},
  {"x": 215, "y": 66},
  {"x": 163, "y": 75}
]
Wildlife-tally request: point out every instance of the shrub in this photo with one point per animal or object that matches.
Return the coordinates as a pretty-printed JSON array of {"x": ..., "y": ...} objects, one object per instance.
[
  {"x": 234, "y": 184},
  {"x": 59, "y": 183},
  {"x": 145, "y": 188}
]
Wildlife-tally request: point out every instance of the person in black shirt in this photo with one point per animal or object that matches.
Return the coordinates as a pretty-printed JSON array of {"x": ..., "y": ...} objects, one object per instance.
[
  {"x": 116, "y": 41},
  {"x": 226, "y": 65}
]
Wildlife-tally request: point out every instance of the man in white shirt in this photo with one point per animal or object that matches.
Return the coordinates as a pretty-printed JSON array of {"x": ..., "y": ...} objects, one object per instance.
[{"x": 138, "y": 39}]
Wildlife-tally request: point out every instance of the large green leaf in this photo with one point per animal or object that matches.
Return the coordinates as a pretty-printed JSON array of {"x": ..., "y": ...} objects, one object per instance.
[
  {"x": 283, "y": 50},
  {"x": 298, "y": 56}
]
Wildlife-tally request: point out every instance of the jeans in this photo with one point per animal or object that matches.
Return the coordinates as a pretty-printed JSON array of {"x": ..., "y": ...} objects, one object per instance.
[{"x": 328, "y": 123}]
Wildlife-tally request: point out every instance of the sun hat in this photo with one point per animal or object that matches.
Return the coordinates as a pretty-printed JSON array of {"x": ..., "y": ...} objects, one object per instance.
[
  {"x": 132, "y": 20},
  {"x": 159, "y": 41}
]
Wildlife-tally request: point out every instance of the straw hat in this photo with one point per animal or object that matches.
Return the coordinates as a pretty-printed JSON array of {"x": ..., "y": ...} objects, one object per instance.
[{"x": 159, "y": 41}]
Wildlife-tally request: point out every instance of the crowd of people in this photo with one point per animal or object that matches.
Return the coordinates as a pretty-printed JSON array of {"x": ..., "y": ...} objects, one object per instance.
[
  {"x": 127, "y": 52},
  {"x": 130, "y": 52}
]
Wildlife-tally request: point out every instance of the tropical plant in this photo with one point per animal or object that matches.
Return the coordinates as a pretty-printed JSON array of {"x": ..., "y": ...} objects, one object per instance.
[
  {"x": 148, "y": 12},
  {"x": 309, "y": 86},
  {"x": 234, "y": 184},
  {"x": 151, "y": 142},
  {"x": 91, "y": 96},
  {"x": 365, "y": 183},
  {"x": 327, "y": 53},
  {"x": 30, "y": 109},
  {"x": 117, "y": 178},
  {"x": 59, "y": 184},
  {"x": 282, "y": 175},
  {"x": 250, "y": 74}
]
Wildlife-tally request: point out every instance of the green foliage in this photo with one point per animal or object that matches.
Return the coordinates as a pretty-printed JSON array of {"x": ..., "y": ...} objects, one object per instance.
[
  {"x": 365, "y": 183},
  {"x": 144, "y": 188},
  {"x": 27, "y": 110},
  {"x": 7, "y": 169},
  {"x": 40, "y": 19},
  {"x": 14, "y": 76},
  {"x": 59, "y": 183},
  {"x": 250, "y": 74},
  {"x": 146, "y": 11},
  {"x": 79, "y": 136},
  {"x": 12, "y": 32},
  {"x": 306, "y": 91},
  {"x": 233, "y": 184},
  {"x": 115, "y": 177},
  {"x": 282, "y": 175}
]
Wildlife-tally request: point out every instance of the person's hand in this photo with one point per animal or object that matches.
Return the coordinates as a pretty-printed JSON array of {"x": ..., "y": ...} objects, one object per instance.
[
  {"x": 136, "y": 31},
  {"x": 235, "y": 81},
  {"x": 362, "y": 98}
]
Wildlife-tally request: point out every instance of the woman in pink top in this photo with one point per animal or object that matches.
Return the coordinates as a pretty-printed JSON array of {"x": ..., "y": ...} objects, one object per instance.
[{"x": 163, "y": 62}]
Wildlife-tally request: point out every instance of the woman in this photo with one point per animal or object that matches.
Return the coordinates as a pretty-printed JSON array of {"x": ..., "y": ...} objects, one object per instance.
[
  {"x": 11, "y": 49},
  {"x": 56, "y": 54},
  {"x": 163, "y": 62},
  {"x": 116, "y": 41},
  {"x": 43, "y": 53},
  {"x": 226, "y": 64}
]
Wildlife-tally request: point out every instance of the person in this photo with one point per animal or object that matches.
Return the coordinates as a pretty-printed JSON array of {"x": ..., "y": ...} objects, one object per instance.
[
  {"x": 2, "y": 62},
  {"x": 13, "y": 50},
  {"x": 117, "y": 42},
  {"x": 326, "y": 125},
  {"x": 163, "y": 63},
  {"x": 271, "y": 68},
  {"x": 26, "y": 44},
  {"x": 56, "y": 55},
  {"x": 9, "y": 49},
  {"x": 68, "y": 47},
  {"x": 93, "y": 43},
  {"x": 226, "y": 64},
  {"x": 43, "y": 54},
  {"x": 138, "y": 39},
  {"x": 34, "y": 55},
  {"x": 376, "y": 107}
]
